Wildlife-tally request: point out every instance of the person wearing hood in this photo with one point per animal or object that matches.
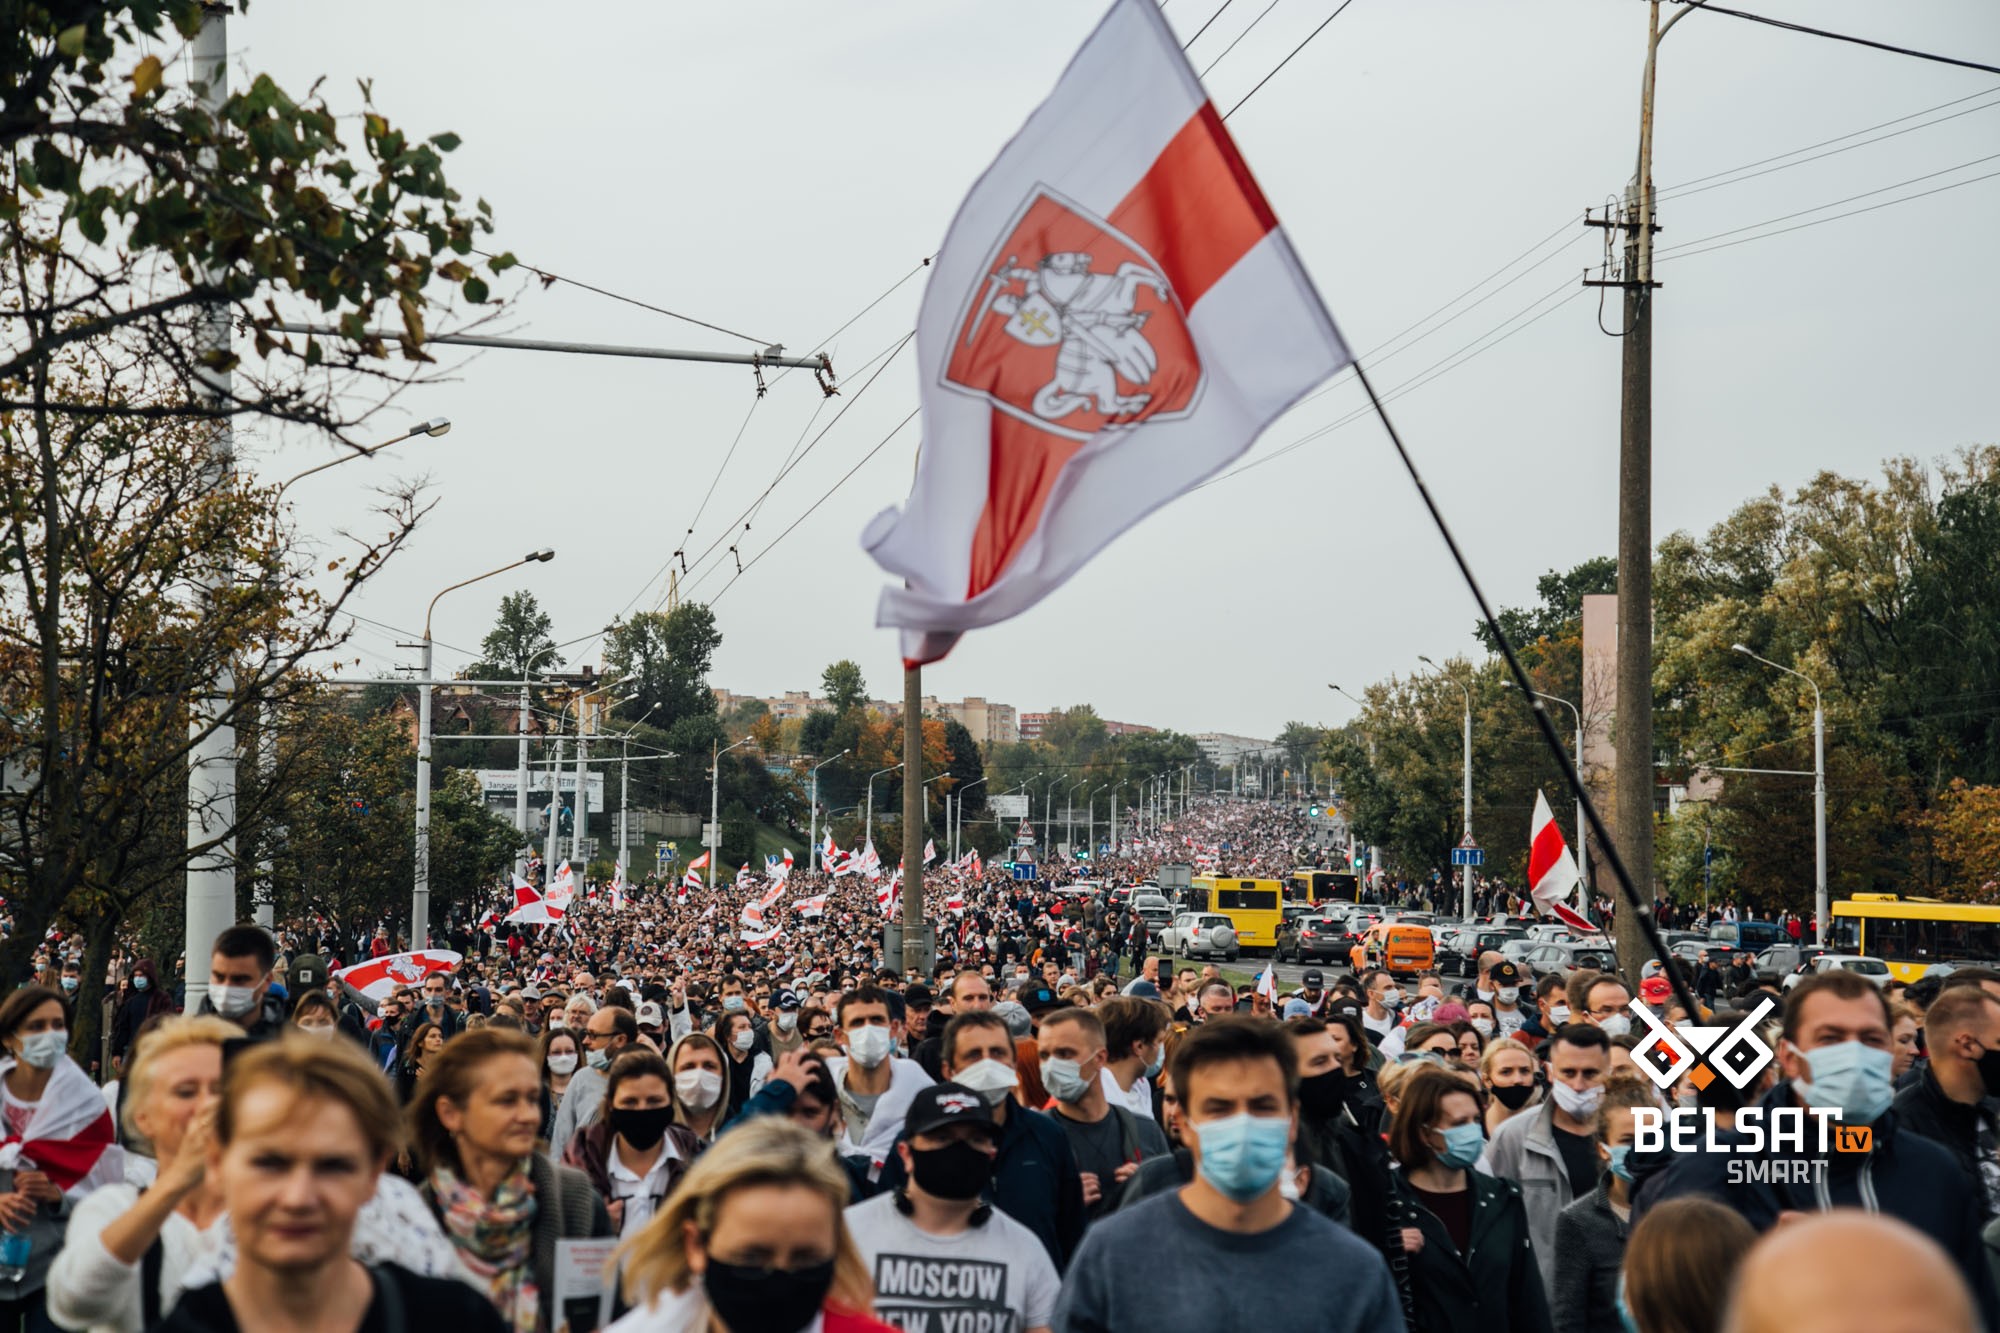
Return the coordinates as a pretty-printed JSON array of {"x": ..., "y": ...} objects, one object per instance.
[
  {"x": 748, "y": 1066},
  {"x": 239, "y": 982},
  {"x": 148, "y": 999},
  {"x": 701, "y": 1085},
  {"x": 1834, "y": 1056}
]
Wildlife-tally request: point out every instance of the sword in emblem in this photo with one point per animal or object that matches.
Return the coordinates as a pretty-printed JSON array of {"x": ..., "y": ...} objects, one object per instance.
[{"x": 996, "y": 283}]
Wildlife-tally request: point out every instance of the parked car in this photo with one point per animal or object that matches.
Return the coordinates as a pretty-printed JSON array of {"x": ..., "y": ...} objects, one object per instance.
[
  {"x": 1317, "y": 939},
  {"x": 1781, "y": 960},
  {"x": 1567, "y": 956},
  {"x": 1463, "y": 957},
  {"x": 1874, "y": 969},
  {"x": 1551, "y": 932},
  {"x": 1154, "y": 910},
  {"x": 1201, "y": 935},
  {"x": 1516, "y": 950},
  {"x": 1298, "y": 911}
]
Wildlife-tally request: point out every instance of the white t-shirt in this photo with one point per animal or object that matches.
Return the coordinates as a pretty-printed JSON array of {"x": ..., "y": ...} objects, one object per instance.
[
  {"x": 1138, "y": 1100},
  {"x": 995, "y": 1277}
]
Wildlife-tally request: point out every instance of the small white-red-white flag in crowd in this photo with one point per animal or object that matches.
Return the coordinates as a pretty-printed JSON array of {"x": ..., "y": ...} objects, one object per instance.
[
  {"x": 955, "y": 904},
  {"x": 1267, "y": 983},
  {"x": 1552, "y": 875},
  {"x": 757, "y": 939},
  {"x": 689, "y": 881},
  {"x": 930, "y": 851},
  {"x": 814, "y": 906},
  {"x": 562, "y": 887},
  {"x": 1114, "y": 317},
  {"x": 68, "y": 1134},
  {"x": 700, "y": 862},
  {"x": 618, "y": 889},
  {"x": 827, "y": 851}
]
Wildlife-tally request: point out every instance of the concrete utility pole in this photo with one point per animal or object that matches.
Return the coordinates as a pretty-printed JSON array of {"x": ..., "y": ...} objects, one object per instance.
[
  {"x": 812, "y": 852},
  {"x": 211, "y": 873},
  {"x": 913, "y": 818},
  {"x": 1633, "y": 783}
]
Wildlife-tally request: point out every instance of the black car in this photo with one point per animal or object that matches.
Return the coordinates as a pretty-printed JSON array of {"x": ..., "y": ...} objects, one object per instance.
[
  {"x": 1316, "y": 939},
  {"x": 1464, "y": 959},
  {"x": 1780, "y": 960}
]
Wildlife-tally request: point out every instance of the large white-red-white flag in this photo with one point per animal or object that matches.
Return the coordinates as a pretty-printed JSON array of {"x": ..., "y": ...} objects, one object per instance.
[
  {"x": 1552, "y": 875},
  {"x": 68, "y": 1135},
  {"x": 1115, "y": 316}
]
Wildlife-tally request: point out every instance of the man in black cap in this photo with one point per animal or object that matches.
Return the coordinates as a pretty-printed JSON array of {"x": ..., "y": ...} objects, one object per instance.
[
  {"x": 784, "y": 1031},
  {"x": 939, "y": 1255},
  {"x": 1509, "y": 1016},
  {"x": 1312, "y": 989}
]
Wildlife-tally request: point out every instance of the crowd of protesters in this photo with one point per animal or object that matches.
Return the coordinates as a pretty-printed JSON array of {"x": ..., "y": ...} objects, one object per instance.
[{"x": 1052, "y": 1127}]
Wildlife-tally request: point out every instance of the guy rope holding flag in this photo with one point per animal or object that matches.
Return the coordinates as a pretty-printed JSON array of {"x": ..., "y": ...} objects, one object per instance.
[{"x": 1113, "y": 318}]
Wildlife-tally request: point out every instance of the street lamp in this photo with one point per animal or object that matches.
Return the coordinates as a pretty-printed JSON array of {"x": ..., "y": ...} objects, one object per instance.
[
  {"x": 434, "y": 427},
  {"x": 1467, "y": 841},
  {"x": 521, "y": 763},
  {"x": 1069, "y": 814},
  {"x": 1582, "y": 848},
  {"x": 812, "y": 851},
  {"x": 580, "y": 826},
  {"x": 958, "y": 828},
  {"x": 1090, "y": 816},
  {"x": 624, "y": 788},
  {"x": 1821, "y": 907},
  {"x": 868, "y": 835},
  {"x": 420, "y": 895},
  {"x": 714, "y": 802}
]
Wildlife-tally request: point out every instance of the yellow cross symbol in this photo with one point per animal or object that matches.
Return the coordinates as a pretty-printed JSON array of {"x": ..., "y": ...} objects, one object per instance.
[{"x": 1032, "y": 320}]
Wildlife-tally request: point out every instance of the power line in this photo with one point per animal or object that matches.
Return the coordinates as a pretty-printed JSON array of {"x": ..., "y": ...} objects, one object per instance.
[
  {"x": 1686, "y": 188},
  {"x": 1338, "y": 11},
  {"x": 550, "y": 276},
  {"x": 1240, "y": 36},
  {"x": 1852, "y": 212},
  {"x": 1205, "y": 27},
  {"x": 1707, "y": 8},
  {"x": 720, "y": 469}
]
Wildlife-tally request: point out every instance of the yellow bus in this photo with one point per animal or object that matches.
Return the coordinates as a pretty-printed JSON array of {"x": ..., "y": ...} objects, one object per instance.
[
  {"x": 1253, "y": 906},
  {"x": 1909, "y": 934},
  {"x": 1324, "y": 886}
]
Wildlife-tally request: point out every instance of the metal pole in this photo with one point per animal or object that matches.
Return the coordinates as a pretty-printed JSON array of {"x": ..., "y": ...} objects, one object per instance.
[
  {"x": 913, "y": 817},
  {"x": 1114, "y": 821},
  {"x": 812, "y": 828},
  {"x": 714, "y": 808},
  {"x": 1468, "y": 799},
  {"x": 420, "y": 896},
  {"x": 521, "y": 779},
  {"x": 267, "y": 764},
  {"x": 1821, "y": 907},
  {"x": 624, "y": 781},
  {"x": 211, "y": 813},
  {"x": 770, "y": 356},
  {"x": 582, "y": 823},
  {"x": 1582, "y": 845}
]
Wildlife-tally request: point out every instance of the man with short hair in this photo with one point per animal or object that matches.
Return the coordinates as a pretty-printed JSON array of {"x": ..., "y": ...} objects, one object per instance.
[
  {"x": 1109, "y": 1141},
  {"x": 1551, "y": 1153},
  {"x": 1847, "y": 1270},
  {"x": 239, "y": 982},
  {"x": 1835, "y": 1058},
  {"x": 874, "y": 1084},
  {"x": 940, "y": 1256},
  {"x": 1382, "y": 1016},
  {"x": 1602, "y": 999},
  {"x": 1953, "y": 1101},
  {"x": 1216, "y": 1000},
  {"x": 607, "y": 1034},
  {"x": 969, "y": 992},
  {"x": 1232, "y": 1246}
]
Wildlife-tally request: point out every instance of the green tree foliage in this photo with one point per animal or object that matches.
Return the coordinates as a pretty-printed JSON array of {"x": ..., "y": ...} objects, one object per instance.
[
  {"x": 1561, "y": 607},
  {"x": 965, "y": 765},
  {"x": 670, "y": 653},
  {"x": 843, "y": 686},
  {"x": 520, "y": 644}
]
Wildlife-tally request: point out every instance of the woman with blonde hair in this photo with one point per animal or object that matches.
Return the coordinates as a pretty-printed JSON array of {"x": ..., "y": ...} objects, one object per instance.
[
  {"x": 753, "y": 1241},
  {"x": 171, "y": 1087},
  {"x": 302, "y": 1131}
]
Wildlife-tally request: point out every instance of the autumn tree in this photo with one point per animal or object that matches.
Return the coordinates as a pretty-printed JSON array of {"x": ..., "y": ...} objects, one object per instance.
[
  {"x": 521, "y": 645},
  {"x": 843, "y": 686}
]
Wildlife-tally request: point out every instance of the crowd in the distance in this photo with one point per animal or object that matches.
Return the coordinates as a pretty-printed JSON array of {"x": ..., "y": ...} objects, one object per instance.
[{"x": 1034, "y": 1135}]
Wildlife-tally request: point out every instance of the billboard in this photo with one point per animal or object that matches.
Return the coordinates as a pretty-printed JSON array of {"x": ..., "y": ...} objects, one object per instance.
[
  {"x": 1013, "y": 805},
  {"x": 499, "y": 785}
]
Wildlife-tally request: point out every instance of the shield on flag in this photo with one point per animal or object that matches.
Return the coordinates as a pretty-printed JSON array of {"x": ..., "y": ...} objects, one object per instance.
[{"x": 380, "y": 977}]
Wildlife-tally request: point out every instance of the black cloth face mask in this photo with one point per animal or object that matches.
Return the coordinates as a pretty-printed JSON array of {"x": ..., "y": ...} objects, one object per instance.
[
  {"x": 641, "y": 1126},
  {"x": 766, "y": 1300}
]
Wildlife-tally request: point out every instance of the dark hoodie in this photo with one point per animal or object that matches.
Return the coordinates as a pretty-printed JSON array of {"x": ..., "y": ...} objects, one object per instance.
[
  {"x": 270, "y": 1020},
  {"x": 1904, "y": 1175},
  {"x": 139, "y": 1006}
]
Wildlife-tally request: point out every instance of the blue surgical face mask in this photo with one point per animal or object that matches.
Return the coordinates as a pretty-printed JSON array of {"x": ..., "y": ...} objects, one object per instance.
[
  {"x": 140, "y": 983},
  {"x": 1159, "y": 1060},
  {"x": 1850, "y": 1078},
  {"x": 1619, "y": 1164},
  {"x": 1241, "y": 1155},
  {"x": 1462, "y": 1145},
  {"x": 732, "y": 1004}
]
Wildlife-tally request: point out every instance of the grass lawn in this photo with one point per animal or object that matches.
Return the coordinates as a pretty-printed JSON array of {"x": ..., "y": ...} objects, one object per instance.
[{"x": 1235, "y": 975}]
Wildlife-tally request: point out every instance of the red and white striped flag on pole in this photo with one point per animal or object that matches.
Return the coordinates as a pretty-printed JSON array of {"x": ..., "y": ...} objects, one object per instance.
[
  {"x": 1552, "y": 873},
  {"x": 1114, "y": 317}
]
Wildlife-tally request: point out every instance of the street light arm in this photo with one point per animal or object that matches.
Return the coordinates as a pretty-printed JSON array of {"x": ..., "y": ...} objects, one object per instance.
[
  {"x": 434, "y": 427},
  {"x": 532, "y": 557},
  {"x": 1767, "y": 661}
]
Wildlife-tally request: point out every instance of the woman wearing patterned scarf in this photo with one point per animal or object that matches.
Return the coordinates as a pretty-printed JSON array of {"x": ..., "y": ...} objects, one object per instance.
[{"x": 475, "y": 1116}]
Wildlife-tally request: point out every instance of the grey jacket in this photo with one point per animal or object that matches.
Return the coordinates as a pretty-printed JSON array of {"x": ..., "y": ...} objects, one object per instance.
[
  {"x": 1590, "y": 1249},
  {"x": 1524, "y": 1151},
  {"x": 579, "y": 1107}
]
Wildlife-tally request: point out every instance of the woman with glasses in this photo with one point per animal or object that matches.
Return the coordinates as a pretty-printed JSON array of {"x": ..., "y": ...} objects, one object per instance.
[{"x": 754, "y": 1238}]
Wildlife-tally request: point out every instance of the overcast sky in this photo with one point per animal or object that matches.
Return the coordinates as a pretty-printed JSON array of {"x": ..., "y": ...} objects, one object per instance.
[{"x": 775, "y": 167}]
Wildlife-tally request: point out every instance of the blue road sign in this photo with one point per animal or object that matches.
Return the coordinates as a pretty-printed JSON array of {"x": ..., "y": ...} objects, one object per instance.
[
  {"x": 1468, "y": 856},
  {"x": 1024, "y": 870}
]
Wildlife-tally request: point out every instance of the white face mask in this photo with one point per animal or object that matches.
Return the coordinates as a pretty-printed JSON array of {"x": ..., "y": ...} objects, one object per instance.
[
  {"x": 233, "y": 1001},
  {"x": 991, "y": 1079},
  {"x": 699, "y": 1088},
  {"x": 1507, "y": 994},
  {"x": 317, "y": 1029},
  {"x": 744, "y": 1040},
  {"x": 560, "y": 1065},
  {"x": 1559, "y": 1014},
  {"x": 868, "y": 1046},
  {"x": 1616, "y": 1026},
  {"x": 1578, "y": 1105},
  {"x": 1483, "y": 1026},
  {"x": 787, "y": 1021}
]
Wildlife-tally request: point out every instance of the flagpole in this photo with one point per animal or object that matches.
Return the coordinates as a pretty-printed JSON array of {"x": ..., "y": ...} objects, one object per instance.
[{"x": 1642, "y": 911}]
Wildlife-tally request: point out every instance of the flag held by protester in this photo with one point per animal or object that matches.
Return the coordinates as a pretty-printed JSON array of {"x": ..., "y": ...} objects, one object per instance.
[
  {"x": 68, "y": 1135},
  {"x": 1552, "y": 873},
  {"x": 1114, "y": 317}
]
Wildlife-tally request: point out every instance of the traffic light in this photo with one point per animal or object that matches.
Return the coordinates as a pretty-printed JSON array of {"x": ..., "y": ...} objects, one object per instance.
[{"x": 1315, "y": 809}]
